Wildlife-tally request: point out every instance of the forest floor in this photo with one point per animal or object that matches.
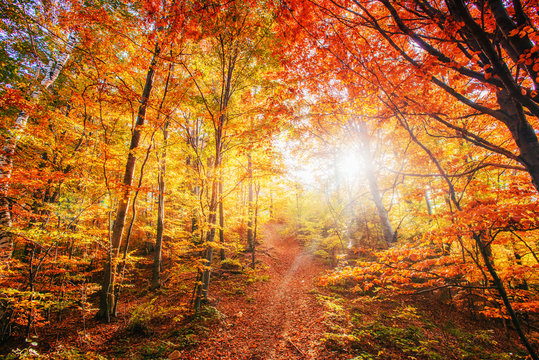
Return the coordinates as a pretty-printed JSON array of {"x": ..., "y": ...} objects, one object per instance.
[
  {"x": 276, "y": 312},
  {"x": 277, "y": 318}
]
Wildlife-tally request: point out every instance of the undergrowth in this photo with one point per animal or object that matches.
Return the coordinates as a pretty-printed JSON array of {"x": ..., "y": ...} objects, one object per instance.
[{"x": 375, "y": 328}]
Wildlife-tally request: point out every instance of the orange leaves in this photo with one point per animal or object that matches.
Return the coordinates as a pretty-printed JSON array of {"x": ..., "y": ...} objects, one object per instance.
[
  {"x": 397, "y": 270},
  {"x": 519, "y": 273},
  {"x": 522, "y": 32},
  {"x": 527, "y": 307}
]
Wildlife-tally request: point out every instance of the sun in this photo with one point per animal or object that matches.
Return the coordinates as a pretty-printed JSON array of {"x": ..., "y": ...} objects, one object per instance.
[
  {"x": 350, "y": 162},
  {"x": 341, "y": 163}
]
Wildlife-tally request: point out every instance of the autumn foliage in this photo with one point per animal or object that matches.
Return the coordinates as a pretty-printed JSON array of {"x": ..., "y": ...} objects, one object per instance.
[{"x": 395, "y": 140}]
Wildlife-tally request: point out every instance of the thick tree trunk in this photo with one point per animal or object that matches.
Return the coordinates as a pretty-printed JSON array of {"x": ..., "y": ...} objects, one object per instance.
[
  {"x": 107, "y": 300},
  {"x": 510, "y": 97},
  {"x": 52, "y": 71},
  {"x": 387, "y": 230},
  {"x": 156, "y": 273},
  {"x": 6, "y": 312},
  {"x": 523, "y": 134}
]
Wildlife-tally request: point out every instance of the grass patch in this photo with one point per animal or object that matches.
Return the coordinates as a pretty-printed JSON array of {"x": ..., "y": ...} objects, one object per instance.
[
  {"x": 256, "y": 275},
  {"x": 185, "y": 337},
  {"x": 369, "y": 327},
  {"x": 156, "y": 350},
  {"x": 231, "y": 264}
]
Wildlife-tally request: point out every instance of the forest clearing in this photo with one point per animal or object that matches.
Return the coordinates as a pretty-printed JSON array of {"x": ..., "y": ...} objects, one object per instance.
[{"x": 269, "y": 179}]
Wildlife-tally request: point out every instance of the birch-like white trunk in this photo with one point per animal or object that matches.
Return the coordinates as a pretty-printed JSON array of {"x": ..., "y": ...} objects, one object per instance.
[{"x": 51, "y": 72}]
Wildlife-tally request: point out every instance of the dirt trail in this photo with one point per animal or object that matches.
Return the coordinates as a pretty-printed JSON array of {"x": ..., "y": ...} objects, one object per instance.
[{"x": 277, "y": 319}]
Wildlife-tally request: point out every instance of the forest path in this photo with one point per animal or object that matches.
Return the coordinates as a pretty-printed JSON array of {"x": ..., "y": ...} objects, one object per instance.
[{"x": 275, "y": 319}]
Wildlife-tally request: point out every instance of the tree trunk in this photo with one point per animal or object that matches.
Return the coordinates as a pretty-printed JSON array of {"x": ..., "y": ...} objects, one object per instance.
[
  {"x": 485, "y": 254},
  {"x": 271, "y": 205},
  {"x": 385, "y": 224},
  {"x": 52, "y": 71},
  {"x": 156, "y": 273},
  {"x": 427, "y": 202},
  {"x": 6, "y": 313},
  {"x": 523, "y": 134},
  {"x": 107, "y": 300},
  {"x": 250, "y": 246},
  {"x": 227, "y": 66},
  {"x": 221, "y": 217},
  {"x": 253, "y": 258},
  {"x": 203, "y": 286}
]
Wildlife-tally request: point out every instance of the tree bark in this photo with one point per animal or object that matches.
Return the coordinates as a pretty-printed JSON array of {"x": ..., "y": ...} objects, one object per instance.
[
  {"x": 107, "y": 300},
  {"x": 427, "y": 202},
  {"x": 522, "y": 132}
]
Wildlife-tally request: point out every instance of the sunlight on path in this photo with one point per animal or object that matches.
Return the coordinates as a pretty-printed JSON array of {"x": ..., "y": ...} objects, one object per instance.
[{"x": 274, "y": 320}]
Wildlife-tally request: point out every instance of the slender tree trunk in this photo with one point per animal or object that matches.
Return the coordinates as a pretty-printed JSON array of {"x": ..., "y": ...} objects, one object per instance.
[
  {"x": 385, "y": 224},
  {"x": 486, "y": 255},
  {"x": 156, "y": 273},
  {"x": 250, "y": 245},
  {"x": 271, "y": 205},
  {"x": 253, "y": 258},
  {"x": 221, "y": 217},
  {"x": 203, "y": 287},
  {"x": 204, "y": 284},
  {"x": 107, "y": 300},
  {"x": 227, "y": 70},
  {"x": 122, "y": 266},
  {"x": 427, "y": 202}
]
